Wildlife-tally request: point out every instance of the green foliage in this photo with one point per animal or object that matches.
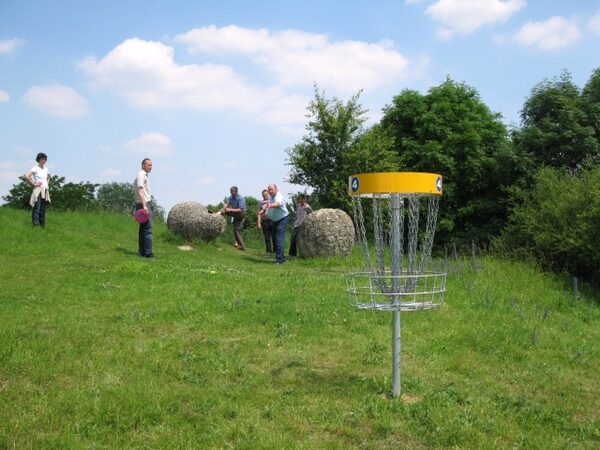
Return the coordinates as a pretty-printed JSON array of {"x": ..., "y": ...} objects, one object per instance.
[
  {"x": 116, "y": 197},
  {"x": 72, "y": 196},
  {"x": 558, "y": 220},
  {"x": 560, "y": 125},
  {"x": 19, "y": 195},
  {"x": 451, "y": 131},
  {"x": 335, "y": 147},
  {"x": 64, "y": 196}
]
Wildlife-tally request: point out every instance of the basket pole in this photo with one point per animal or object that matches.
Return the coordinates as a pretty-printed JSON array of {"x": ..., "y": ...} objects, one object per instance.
[{"x": 396, "y": 264}]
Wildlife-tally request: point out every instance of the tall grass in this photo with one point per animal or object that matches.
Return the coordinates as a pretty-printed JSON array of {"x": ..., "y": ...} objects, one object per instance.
[{"x": 219, "y": 348}]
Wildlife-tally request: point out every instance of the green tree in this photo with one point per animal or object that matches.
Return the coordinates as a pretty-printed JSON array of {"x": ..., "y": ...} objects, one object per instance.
[
  {"x": 335, "y": 147},
  {"x": 116, "y": 197},
  {"x": 451, "y": 131},
  {"x": 557, "y": 220},
  {"x": 556, "y": 128},
  {"x": 591, "y": 102},
  {"x": 64, "y": 196}
]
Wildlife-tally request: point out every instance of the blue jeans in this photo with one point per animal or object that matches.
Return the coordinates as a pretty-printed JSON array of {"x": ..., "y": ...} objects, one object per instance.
[
  {"x": 279, "y": 229},
  {"x": 145, "y": 234},
  {"x": 38, "y": 214}
]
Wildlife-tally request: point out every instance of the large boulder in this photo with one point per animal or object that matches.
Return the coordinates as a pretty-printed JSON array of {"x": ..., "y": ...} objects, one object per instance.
[
  {"x": 326, "y": 232},
  {"x": 193, "y": 221}
]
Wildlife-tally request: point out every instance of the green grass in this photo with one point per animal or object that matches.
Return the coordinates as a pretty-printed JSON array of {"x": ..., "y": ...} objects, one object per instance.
[{"x": 217, "y": 348}]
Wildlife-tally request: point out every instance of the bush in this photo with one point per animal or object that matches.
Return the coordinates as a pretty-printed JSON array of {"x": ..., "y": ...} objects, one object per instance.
[{"x": 558, "y": 220}]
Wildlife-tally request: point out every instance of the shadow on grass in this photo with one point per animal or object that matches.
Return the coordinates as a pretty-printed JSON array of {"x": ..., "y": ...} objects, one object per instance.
[{"x": 126, "y": 251}]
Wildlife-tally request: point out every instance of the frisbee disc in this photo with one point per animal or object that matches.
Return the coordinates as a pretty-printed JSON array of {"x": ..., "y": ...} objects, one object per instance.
[{"x": 142, "y": 216}]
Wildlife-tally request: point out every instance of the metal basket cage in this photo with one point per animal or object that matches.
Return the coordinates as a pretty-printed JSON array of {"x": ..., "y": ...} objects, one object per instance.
[{"x": 387, "y": 292}]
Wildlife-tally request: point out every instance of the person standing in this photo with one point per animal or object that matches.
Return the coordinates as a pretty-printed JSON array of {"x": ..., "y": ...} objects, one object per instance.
[
  {"x": 39, "y": 179},
  {"x": 236, "y": 209},
  {"x": 265, "y": 223},
  {"x": 143, "y": 200},
  {"x": 278, "y": 213},
  {"x": 302, "y": 211}
]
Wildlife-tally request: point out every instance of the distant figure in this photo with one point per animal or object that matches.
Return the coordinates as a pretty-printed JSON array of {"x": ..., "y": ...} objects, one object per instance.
[
  {"x": 265, "y": 223},
  {"x": 143, "y": 200},
  {"x": 39, "y": 178},
  {"x": 236, "y": 209},
  {"x": 302, "y": 211},
  {"x": 278, "y": 213}
]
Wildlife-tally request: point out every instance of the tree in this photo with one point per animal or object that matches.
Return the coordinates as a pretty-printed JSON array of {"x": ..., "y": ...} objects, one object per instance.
[
  {"x": 64, "y": 196},
  {"x": 335, "y": 147},
  {"x": 451, "y": 131},
  {"x": 591, "y": 102},
  {"x": 116, "y": 197},
  {"x": 556, "y": 129},
  {"x": 557, "y": 221}
]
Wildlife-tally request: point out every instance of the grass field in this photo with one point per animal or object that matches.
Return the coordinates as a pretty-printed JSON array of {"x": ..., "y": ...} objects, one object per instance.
[{"x": 217, "y": 348}]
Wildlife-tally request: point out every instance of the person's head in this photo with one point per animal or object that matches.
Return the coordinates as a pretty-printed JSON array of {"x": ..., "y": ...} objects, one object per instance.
[
  {"x": 265, "y": 194},
  {"x": 41, "y": 159},
  {"x": 234, "y": 191},
  {"x": 146, "y": 165},
  {"x": 272, "y": 188},
  {"x": 301, "y": 199}
]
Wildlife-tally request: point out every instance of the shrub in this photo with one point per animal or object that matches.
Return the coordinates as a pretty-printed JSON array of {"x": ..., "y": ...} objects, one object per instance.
[{"x": 558, "y": 221}]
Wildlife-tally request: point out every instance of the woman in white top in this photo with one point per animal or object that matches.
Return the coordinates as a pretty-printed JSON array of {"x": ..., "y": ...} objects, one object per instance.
[{"x": 39, "y": 179}]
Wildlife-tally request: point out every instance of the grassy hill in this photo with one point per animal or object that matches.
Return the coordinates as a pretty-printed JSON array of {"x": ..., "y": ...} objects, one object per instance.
[{"x": 219, "y": 348}]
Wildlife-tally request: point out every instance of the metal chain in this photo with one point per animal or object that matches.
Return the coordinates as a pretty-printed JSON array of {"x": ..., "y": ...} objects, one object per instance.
[
  {"x": 413, "y": 233},
  {"x": 432, "y": 210}
]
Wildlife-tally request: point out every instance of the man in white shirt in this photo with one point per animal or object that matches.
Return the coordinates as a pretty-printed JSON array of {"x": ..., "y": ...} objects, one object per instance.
[
  {"x": 278, "y": 213},
  {"x": 143, "y": 198},
  {"x": 39, "y": 178}
]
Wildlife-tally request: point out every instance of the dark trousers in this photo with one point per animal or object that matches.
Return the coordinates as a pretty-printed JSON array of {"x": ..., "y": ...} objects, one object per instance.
[
  {"x": 145, "y": 235},
  {"x": 267, "y": 230},
  {"x": 278, "y": 234},
  {"x": 293, "y": 248},
  {"x": 238, "y": 222},
  {"x": 38, "y": 214}
]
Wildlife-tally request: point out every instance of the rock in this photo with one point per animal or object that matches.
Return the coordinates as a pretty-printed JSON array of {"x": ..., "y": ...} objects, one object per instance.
[
  {"x": 193, "y": 221},
  {"x": 326, "y": 232}
]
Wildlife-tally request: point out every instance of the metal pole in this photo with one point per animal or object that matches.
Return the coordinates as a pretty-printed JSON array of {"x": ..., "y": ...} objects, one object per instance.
[{"x": 396, "y": 257}]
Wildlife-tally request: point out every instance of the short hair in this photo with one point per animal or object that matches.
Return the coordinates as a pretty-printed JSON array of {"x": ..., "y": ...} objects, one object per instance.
[
  {"x": 144, "y": 160},
  {"x": 41, "y": 156},
  {"x": 233, "y": 189},
  {"x": 265, "y": 190},
  {"x": 302, "y": 197}
]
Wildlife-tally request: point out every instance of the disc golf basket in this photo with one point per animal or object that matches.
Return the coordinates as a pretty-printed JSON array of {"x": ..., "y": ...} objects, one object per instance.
[{"x": 398, "y": 274}]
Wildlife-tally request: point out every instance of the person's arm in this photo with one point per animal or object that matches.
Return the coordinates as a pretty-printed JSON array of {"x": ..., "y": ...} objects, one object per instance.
[
  {"x": 277, "y": 203},
  {"x": 29, "y": 178},
  {"x": 143, "y": 198}
]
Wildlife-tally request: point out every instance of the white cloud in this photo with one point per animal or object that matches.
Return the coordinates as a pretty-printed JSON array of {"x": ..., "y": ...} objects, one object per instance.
[
  {"x": 297, "y": 58},
  {"x": 146, "y": 74},
  {"x": 9, "y": 46},
  {"x": 110, "y": 173},
  {"x": 150, "y": 144},
  {"x": 466, "y": 16},
  {"x": 552, "y": 34},
  {"x": 206, "y": 181},
  {"x": 594, "y": 23},
  {"x": 56, "y": 100},
  {"x": 4, "y": 97}
]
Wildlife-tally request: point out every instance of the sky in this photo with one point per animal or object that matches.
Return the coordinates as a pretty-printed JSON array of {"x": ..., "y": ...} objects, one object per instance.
[{"x": 215, "y": 92}]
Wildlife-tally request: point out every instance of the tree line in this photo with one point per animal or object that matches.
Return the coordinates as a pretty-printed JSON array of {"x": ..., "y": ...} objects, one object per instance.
[
  {"x": 83, "y": 196},
  {"x": 528, "y": 189}
]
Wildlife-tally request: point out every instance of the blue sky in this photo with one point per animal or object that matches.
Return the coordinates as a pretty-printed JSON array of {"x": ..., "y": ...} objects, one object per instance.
[{"x": 216, "y": 91}]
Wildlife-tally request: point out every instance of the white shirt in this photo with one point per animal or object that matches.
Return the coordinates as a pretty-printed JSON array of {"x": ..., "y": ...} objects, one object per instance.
[
  {"x": 142, "y": 180},
  {"x": 40, "y": 174}
]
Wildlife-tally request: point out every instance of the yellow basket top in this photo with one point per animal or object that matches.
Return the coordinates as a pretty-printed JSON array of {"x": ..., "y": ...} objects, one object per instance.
[{"x": 418, "y": 183}]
